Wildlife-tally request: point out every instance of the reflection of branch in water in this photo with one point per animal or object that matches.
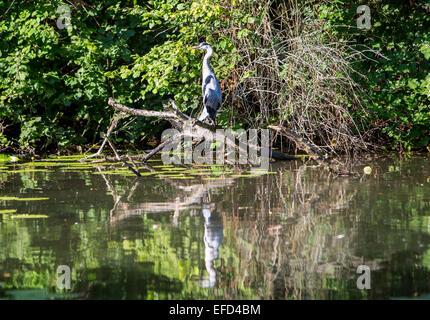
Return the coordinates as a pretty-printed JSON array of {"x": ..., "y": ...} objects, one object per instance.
[
  {"x": 213, "y": 234},
  {"x": 186, "y": 196},
  {"x": 116, "y": 197},
  {"x": 212, "y": 239},
  {"x": 284, "y": 244}
]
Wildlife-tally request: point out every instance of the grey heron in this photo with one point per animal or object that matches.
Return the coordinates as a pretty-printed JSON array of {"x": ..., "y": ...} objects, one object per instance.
[{"x": 211, "y": 89}]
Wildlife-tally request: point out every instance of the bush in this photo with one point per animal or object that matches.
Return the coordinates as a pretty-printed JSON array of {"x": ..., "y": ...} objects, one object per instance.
[
  {"x": 289, "y": 63},
  {"x": 397, "y": 85},
  {"x": 53, "y": 83}
]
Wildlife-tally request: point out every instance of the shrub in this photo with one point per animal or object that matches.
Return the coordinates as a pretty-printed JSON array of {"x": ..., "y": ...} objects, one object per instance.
[
  {"x": 299, "y": 64},
  {"x": 397, "y": 85}
]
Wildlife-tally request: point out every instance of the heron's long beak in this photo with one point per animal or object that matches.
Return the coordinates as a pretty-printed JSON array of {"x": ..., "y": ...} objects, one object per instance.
[{"x": 196, "y": 47}]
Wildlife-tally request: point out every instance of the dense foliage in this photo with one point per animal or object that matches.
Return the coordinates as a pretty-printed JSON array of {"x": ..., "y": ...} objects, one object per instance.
[
  {"x": 278, "y": 63},
  {"x": 54, "y": 82},
  {"x": 397, "y": 83}
]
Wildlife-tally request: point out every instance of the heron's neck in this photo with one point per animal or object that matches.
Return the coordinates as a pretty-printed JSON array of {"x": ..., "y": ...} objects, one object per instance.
[{"x": 206, "y": 59}]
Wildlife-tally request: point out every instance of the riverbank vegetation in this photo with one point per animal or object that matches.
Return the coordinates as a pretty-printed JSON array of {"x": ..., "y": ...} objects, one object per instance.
[{"x": 303, "y": 65}]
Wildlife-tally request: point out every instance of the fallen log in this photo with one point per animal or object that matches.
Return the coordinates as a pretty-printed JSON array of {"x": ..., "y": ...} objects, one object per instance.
[
  {"x": 199, "y": 131},
  {"x": 310, "y": 149}
]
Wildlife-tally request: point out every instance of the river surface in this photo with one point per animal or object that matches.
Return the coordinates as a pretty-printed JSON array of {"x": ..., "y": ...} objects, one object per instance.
[{"x": 210, "y": 233}]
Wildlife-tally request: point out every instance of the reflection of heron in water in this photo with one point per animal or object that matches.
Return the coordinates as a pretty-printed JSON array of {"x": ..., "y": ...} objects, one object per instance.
[{"x": 213, "y": 239}]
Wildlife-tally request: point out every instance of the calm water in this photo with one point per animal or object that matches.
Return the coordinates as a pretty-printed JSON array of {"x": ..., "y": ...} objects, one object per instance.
[{"x": 299, "y": 233}]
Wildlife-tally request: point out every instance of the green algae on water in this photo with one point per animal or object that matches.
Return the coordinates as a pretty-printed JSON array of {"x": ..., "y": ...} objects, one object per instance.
[
  {"x": 245, "y": 175},
  {"x": 6, "y": 198},
  {"x": 29, "y": 216},
  {"x": 7, "y": 211},
  {"x": 26, "y": 170}
]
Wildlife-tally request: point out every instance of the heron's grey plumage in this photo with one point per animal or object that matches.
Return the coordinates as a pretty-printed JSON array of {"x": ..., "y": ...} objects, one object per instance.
[{"x": 211, "y": 89}]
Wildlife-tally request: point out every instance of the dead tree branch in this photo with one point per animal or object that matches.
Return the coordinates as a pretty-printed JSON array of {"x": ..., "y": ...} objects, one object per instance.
[
  {"x": 198, "y": 131},
  {"x": 310, "y": 149}
]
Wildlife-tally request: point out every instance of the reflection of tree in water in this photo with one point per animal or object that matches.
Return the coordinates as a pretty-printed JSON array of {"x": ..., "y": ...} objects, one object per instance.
[
  {"x": 279, "y": 243},
  {"x": 194, "y": 194},
  {"x": 283, "y": 242},
  {"x": 278, "y": 233},
  {"x": 186, "y": 198}
]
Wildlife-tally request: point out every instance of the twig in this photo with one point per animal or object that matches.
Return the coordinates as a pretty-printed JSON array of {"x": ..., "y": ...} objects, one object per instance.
[
  {"x": 159, "y": 147},
  {"x": 113, "y": 125},
  {"x": 308, "y": 147},
  {"x": 120, "y": 158}
]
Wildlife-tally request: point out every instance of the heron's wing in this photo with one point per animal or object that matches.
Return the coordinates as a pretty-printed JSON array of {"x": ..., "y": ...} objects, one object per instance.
[
  {"x": 211, "y": 99},
  {"x": 207, "y": 83},
  {"x": 211, "y": 92}
]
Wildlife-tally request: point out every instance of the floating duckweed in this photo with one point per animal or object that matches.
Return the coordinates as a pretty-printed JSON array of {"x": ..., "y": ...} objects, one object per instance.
[
  {"x": 78, "y": 164},
  {"x": 109, "y": 172},
  {"x": 8, "y": 198},
  {"x": 5, "y": 198},
  {"x": 95, "y": 164},
  {"x": 51, "y": 163},
  {"x": 198, "y": 170},
  {"x": 245, "y": 175},
  {"x": 6, "y": 211},
  {"x": 174, "y": 177},
  {"x": 175, "y": 169},
  {"x": 143, "y": 174},
  {"x": 60, "y": 159},
  {"x": 117, "y": 172},
  {"x": 31, "y": 199},
  {"x": 28, "y": 216},
  {"x": 26, "y": 170},
  {"x": 73, "y": 156},
  {"x": 164, "y": 166},
  {"x": 172, "y": 171},
  {"x": 40, "y": 164}
]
